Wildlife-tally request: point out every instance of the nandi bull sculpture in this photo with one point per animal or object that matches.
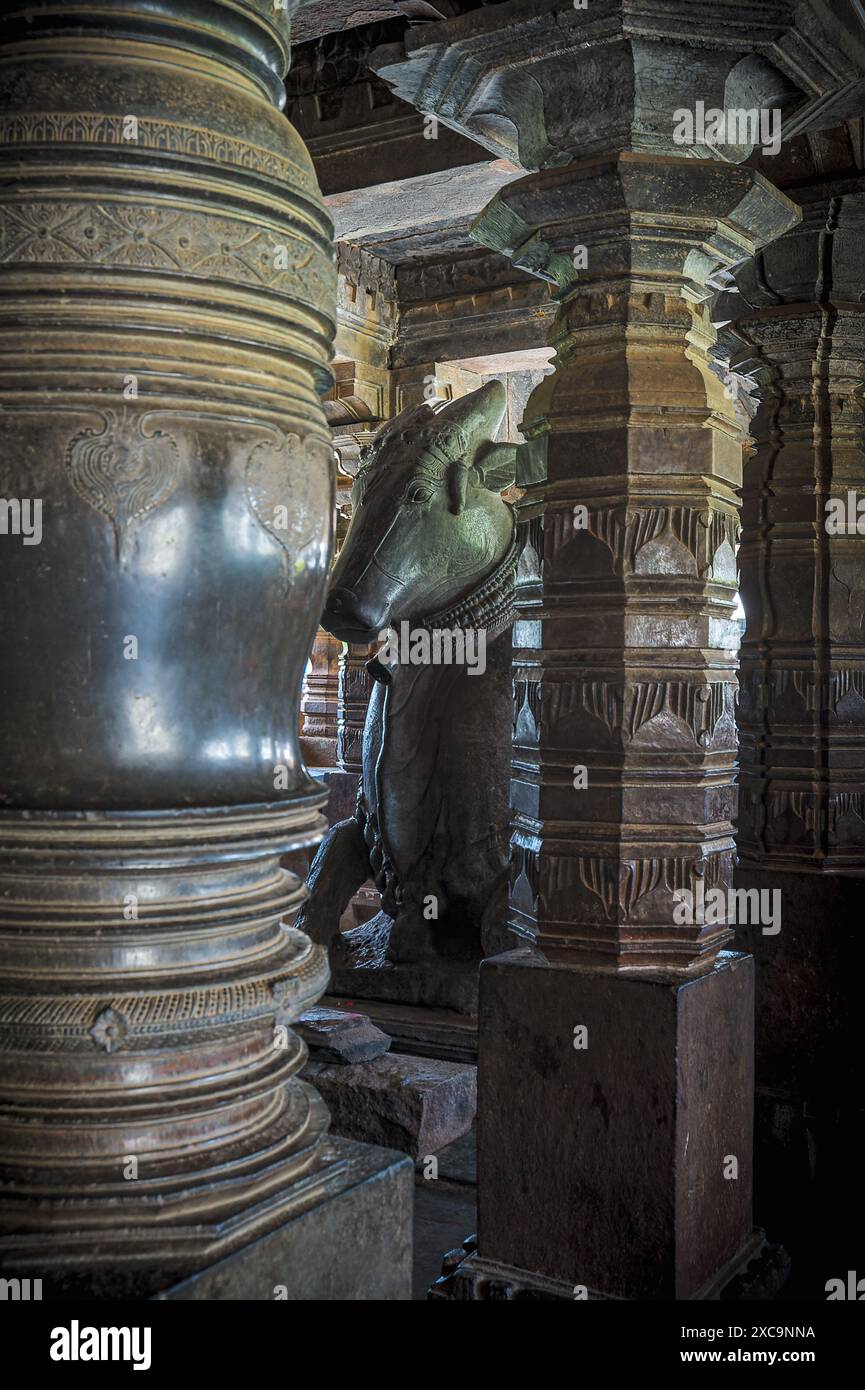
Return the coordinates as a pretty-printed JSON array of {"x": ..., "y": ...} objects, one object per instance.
[{"x": 430, "y": 550}]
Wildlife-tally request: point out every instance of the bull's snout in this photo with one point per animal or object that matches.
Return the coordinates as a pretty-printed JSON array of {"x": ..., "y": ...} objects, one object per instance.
[
  {"x": 347, "y": 618},
  {"x": 339, "y": 601}
]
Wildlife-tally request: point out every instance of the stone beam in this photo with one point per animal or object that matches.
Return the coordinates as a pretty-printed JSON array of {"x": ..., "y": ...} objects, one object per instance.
[
  {"x": 353, "y": 124},
  {"x": 439, "y": 204},
  {"x": 472, "y": 73},
  {"x": 416, "y": 288}
]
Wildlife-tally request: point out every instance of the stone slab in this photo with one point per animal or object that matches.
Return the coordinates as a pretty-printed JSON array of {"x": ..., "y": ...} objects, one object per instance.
[
  {"x": 605, "y": 1166},
  {"x": 427, "y": 983},
  {"x": 414, "y": 1104},
  {"x": 418, "y": 1030},
  {"x": 355, "y": 1246},
  {"x": 341, "y": 1036}
]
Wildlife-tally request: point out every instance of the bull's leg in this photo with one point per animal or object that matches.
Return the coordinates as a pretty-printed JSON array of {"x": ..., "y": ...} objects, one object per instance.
[{"x": 337, "y": 871}]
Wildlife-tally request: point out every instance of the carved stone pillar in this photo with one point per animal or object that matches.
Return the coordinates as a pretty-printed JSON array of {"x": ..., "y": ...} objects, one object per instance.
[
  {"x": 318, "y": 706},
  {"x": 624, "y": 741},
  {"x": 621, "y": 1013},
  {"x": 355, "y": 686},
  {"x": 625, "y": 643},
  {"x": 798, "y": 336},
  {"x": 167, "y": 301}
]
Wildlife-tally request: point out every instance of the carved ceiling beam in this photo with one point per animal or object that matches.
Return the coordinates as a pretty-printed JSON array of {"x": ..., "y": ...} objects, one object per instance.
[{"x": 357, "y": 131}]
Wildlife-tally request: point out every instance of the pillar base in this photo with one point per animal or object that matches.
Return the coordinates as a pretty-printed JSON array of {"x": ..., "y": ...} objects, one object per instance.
[
  {"x": 344, "y": 1232},
  {"x": 615, "y": 1124}
]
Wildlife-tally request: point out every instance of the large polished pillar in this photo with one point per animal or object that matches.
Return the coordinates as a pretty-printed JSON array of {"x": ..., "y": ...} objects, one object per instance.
[
  {"x": 795, "y": 329},
  {"x": 602, "y": 1037},
  {"x": 167, "y": 298}
]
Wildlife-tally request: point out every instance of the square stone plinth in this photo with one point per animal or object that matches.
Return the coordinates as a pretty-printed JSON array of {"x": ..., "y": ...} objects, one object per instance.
[
  {"x": 619, "y": 1157},
  {"x": 354, "y": 1245},
  {"x": 416, "y": 1104}
]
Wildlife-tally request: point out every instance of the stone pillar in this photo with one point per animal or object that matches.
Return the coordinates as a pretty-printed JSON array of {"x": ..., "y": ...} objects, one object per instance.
[
  {"x": 355, "y": 686},
  {"x": 798, "y": 336},
  {"x": 167, "y": 300},
  {"x": 624, "y": 747},
  {"x": 604, "y": 1037},
  {"x": 318, "y": 706}
]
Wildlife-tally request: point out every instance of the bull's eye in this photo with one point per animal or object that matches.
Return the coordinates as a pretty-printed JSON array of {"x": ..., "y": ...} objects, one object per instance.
[{"x": 420, "y": 493}]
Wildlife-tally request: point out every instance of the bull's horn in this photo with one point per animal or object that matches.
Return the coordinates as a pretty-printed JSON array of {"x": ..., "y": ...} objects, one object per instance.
[
  {"x": 473, "y": 419},
  {"x": 496, "y": 466}
]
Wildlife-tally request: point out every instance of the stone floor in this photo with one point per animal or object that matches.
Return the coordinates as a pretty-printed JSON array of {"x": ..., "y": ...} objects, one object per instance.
[{"x": 444, "y": 1209}]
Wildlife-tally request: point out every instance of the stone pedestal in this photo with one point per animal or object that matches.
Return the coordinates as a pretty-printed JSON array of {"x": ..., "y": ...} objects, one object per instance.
[
  {"x": 353, "y": 1245},
  {"x": 646, "y": 1192}
]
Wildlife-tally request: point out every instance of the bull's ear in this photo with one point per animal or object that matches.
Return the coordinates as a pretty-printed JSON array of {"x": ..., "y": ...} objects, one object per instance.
[
  {"x": 456, "y": 482},
  {"x": 496, "y": 465}
]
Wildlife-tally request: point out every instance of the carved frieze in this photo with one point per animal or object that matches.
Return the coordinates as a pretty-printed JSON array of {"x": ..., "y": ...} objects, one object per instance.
[{"x": 125, "y": 469}]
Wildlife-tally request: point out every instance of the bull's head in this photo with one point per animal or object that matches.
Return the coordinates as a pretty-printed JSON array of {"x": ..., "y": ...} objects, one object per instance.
[{"x": 428, "y": 522}]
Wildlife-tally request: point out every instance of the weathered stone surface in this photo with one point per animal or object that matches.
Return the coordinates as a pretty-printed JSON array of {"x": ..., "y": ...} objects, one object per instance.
[
  {"x": 414, "y": 1104},
  {"x": 421, "y": 1030},
  {"x": 341, "y": 1036},
  {"x": 605, "y": 1165},
  {"x": 357, "y": 131},
  {"x": 457, "y": 1164},
  {"x": 445, "y": 202},
  {"x": 356, "y": 1246},
  {"x": 362, "y": 967}
]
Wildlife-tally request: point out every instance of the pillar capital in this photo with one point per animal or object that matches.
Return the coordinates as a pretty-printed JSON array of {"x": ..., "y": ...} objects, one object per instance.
[
  {"x": 672, "y": 220},
  {"x": 529, "y": 79}
]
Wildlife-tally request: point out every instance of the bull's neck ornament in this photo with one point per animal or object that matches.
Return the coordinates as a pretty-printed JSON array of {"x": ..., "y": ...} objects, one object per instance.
[{"x": 489, "y": 606}]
